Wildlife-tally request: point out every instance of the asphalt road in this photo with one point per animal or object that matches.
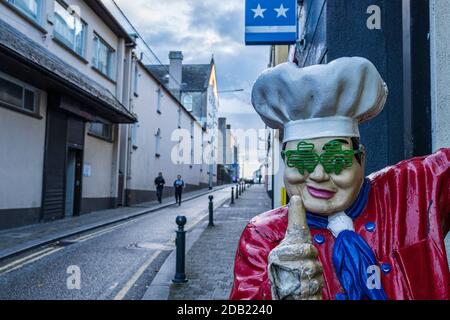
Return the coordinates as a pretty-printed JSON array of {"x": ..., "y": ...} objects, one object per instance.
[{"x": 115, "y": 262}]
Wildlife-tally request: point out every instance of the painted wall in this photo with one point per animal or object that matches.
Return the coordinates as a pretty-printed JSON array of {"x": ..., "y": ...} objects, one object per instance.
[
  {"x": 99, "y": 155},
  {"x": 334, "y": 29},
  {"x": 21, "y": 158},
  {"x": 440, "y": 73}
]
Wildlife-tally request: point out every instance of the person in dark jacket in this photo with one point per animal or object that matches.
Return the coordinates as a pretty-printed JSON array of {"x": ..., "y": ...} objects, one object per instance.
[
  {"x": 178, "y": 185},
  {"x": 159, "y": 183}
]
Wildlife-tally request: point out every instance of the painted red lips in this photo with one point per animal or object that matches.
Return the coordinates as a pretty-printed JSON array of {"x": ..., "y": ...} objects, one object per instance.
[{"x": 320, "y": 193}]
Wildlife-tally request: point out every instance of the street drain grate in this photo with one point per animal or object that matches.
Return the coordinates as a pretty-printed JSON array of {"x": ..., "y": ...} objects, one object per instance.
[{"x": 151, "y": 246}]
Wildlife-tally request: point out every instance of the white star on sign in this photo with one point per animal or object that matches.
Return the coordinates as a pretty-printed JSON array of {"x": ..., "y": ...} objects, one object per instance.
[
  {"x": 281, "y": 11},
  {"x": 258, "y": 12}
]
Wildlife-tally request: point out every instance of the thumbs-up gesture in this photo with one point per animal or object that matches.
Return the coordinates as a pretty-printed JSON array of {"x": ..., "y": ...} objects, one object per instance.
[{"x": 294, "y": 268}]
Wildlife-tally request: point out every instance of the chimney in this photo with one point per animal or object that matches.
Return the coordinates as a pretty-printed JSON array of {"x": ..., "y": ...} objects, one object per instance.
[{"x": 175, "y": 69}]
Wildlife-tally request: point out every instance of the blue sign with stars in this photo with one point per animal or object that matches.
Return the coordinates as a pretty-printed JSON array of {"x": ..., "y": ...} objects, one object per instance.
[{"x": 270, "y": 22}]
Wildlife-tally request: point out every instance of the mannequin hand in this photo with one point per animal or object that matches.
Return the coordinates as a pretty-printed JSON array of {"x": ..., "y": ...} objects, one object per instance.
[{"x": 294, "y": 267}]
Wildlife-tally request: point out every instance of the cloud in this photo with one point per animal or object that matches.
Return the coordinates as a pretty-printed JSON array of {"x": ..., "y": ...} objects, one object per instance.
[{"x": 201, "y": 29}]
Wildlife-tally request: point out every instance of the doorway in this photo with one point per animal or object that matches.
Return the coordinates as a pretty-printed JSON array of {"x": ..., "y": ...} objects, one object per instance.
[
  {"x": 63, "y": 167},
  {"x": 70, "y": 183},
  {"x": 73, "y": 183}
]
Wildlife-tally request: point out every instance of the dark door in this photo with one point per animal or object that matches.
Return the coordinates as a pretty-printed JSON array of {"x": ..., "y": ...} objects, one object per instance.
[
  {"x": 74, "y": 173},
  {"x": 53, "y": 198},
  {"x": 70, "y": 183}
]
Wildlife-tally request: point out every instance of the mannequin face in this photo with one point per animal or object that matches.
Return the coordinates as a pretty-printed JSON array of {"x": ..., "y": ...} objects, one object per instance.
[{"x": 325, "y": 193}]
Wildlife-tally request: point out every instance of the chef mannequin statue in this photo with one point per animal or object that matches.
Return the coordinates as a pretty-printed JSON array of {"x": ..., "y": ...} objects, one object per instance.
[{"x": 343, "y": 236}]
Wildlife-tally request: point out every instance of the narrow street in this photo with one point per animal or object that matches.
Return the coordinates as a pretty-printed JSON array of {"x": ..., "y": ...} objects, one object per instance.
[{"x": 116, "y": 262}]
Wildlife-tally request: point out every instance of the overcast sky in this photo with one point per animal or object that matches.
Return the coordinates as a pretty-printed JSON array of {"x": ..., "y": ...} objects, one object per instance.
[{"x": 201, "y": 29}]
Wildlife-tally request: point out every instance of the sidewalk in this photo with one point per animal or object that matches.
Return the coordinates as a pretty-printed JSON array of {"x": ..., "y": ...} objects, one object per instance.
[
  {"x": 210, "y": 259},
  {"x": 15, "y": 241}
]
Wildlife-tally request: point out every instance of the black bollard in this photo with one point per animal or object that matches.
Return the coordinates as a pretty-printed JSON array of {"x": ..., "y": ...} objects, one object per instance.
[
  {"x": 180, "y": 274},
  {"x": 237, "y": 191},
  {"x": 240, "y": 188},
  {"x": 232, "y": 195},
  {"x": 211, "y": 212}
]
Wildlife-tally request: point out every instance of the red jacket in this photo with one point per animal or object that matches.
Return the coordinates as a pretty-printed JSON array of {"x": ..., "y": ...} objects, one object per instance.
[{"x": 404, "y": 221}]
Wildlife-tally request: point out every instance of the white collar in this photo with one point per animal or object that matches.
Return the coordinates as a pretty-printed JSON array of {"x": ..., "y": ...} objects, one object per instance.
[{"x": 340, "y": 222}]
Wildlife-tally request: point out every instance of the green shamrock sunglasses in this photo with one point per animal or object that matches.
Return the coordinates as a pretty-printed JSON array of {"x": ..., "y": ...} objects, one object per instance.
[{"x": 334, "y": 159}]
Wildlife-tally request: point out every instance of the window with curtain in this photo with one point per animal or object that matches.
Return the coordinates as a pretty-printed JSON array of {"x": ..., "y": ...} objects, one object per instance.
[
  {"x": 69, "y": 28},
  {"x": 103, "y": 57},
  {"x": 31, "y": 8}
]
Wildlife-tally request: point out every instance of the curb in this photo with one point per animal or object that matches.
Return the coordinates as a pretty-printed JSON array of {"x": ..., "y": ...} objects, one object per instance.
[{"x": 10, "y": 252}]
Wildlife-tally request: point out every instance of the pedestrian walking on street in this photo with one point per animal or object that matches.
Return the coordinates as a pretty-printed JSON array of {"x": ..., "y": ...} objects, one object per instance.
[
  {"x": 178, "y": 185},
  {"x": 159, "y": 183}
]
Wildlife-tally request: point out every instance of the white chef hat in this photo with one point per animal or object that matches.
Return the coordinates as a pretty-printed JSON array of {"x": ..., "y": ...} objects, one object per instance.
[{"x": 328, "y": 100}]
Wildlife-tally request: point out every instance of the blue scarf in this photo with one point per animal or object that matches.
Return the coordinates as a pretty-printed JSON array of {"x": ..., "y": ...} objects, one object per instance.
[{"x": 352, "y": 256}]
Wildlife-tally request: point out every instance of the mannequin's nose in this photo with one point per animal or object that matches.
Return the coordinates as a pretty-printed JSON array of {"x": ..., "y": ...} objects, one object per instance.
[{"x": 319, "y": 174}]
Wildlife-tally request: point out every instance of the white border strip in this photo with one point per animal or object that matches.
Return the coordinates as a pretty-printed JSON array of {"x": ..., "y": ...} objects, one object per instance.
[{"x": 271, "y": 29}]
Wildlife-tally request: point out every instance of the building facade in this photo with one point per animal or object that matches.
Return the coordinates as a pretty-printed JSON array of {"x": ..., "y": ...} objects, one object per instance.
[
  {"x": 61, "y": 100},
  {"x": 195, "y": 85}
]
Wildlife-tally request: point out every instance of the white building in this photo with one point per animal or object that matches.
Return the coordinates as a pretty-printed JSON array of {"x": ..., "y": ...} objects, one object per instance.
[
  {"x": 196, "y": 86},
  {"x": 61, "y": 98},
  {"x": 154, "y": 141},
  {"x": 84, "y": 125}
]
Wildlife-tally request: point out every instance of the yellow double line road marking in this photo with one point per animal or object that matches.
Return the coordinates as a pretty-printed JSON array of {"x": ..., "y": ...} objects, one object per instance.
[
  {"x": 27, "y": 260},
  {"x": 17, "y": 264},
  {"x": 123, "y": 292}
]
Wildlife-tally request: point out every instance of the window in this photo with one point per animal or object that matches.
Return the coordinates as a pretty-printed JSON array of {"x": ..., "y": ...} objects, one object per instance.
[
  {"x": 187, "y": 102},
  {"x": 69, "y": 29},
  {"x": 31, "y": 8},
  {"x": 15, "y": 94},
  {"x": 158, "y": 100},
  {"x": 158, "y": 142},
  {"x": 101, "y": 129},
  {"x": 103, "y": 57}
]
